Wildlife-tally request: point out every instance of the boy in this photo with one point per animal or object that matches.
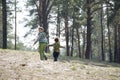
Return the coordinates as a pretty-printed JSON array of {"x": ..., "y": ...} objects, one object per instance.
[
  {"x": 42, "y": 43},
  {"x": 56, "y": 48}
]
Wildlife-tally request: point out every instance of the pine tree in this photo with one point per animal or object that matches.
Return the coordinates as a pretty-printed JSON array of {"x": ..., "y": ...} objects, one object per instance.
[{"x": 4, "y": 19}]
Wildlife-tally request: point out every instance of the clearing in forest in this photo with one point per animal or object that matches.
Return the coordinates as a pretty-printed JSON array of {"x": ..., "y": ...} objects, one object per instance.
[{"x": 22, "y": 65}]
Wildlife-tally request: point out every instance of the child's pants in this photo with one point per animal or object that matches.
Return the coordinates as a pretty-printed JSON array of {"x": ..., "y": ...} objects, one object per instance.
[
  {"x": 42, "y": 47},
  {"x": 55, "y": 55}
]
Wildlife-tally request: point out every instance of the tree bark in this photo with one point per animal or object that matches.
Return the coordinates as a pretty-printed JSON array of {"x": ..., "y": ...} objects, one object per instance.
[
  {"x": 58, "y": 23},
  {"x": 115, "y": 44},
  {"x": 78, "y": 36},
  {"x": 72, "y": 40},
  {"x": 109, "y": 40},
  {"x": 118, "y": 53},
  {"x": 67, "y": 35},
  {"x": 4, "y": 19},
  {"x": 84, "y": 42},
  {"x": 66, "y": 27},
  {"x": 88, "y": 48},
  {"x": 102, "y": 37}
]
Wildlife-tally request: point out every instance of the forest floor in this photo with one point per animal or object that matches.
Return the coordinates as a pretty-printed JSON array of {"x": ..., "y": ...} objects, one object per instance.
[{"x": 23, "y": 65}]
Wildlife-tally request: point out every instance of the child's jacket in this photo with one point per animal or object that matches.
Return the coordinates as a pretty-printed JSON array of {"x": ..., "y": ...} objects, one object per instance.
[{"x": 56, "y": 47}]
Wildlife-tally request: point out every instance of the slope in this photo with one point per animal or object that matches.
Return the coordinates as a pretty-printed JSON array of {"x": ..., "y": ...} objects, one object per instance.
[{"x": 22, "y": 65}]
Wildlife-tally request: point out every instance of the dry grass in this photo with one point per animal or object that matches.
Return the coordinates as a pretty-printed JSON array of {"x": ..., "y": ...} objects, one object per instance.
[{"x": 22, "y": 65}]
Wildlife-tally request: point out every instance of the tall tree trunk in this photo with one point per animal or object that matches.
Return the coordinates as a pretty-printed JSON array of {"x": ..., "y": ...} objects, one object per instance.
[
  {"x": 83, "y": 47},
  {"x": 67, "y": 35},
  {"x": 58, "y": 23},
  {"x": 66, "y": 27},
  {"x": 15, "y": 25},
  {"x": 44, "y": 16},
  {"x": 102, "y": 37},
  {"x": 72, "y": 41},
  {"x": 118, "y": 54},
  {"x": 109, "y": 40},
  {"x": 88, "y": 48},
  {"x": 78, "y": 36},
  {"x": 4, "y": 19},
  {"x": 115, "y": 44},
  {"x": 43, "y": 11},
  {"x": 40, "y": 12},
  {"x": 116, "y": 32},
  {"x": 72, "y": 32}
]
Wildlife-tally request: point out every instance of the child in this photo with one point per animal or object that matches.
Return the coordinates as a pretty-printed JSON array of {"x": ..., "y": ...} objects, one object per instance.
[
  {"x": 42, "y": 43},
  {"x": 56, "y": 49}
]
